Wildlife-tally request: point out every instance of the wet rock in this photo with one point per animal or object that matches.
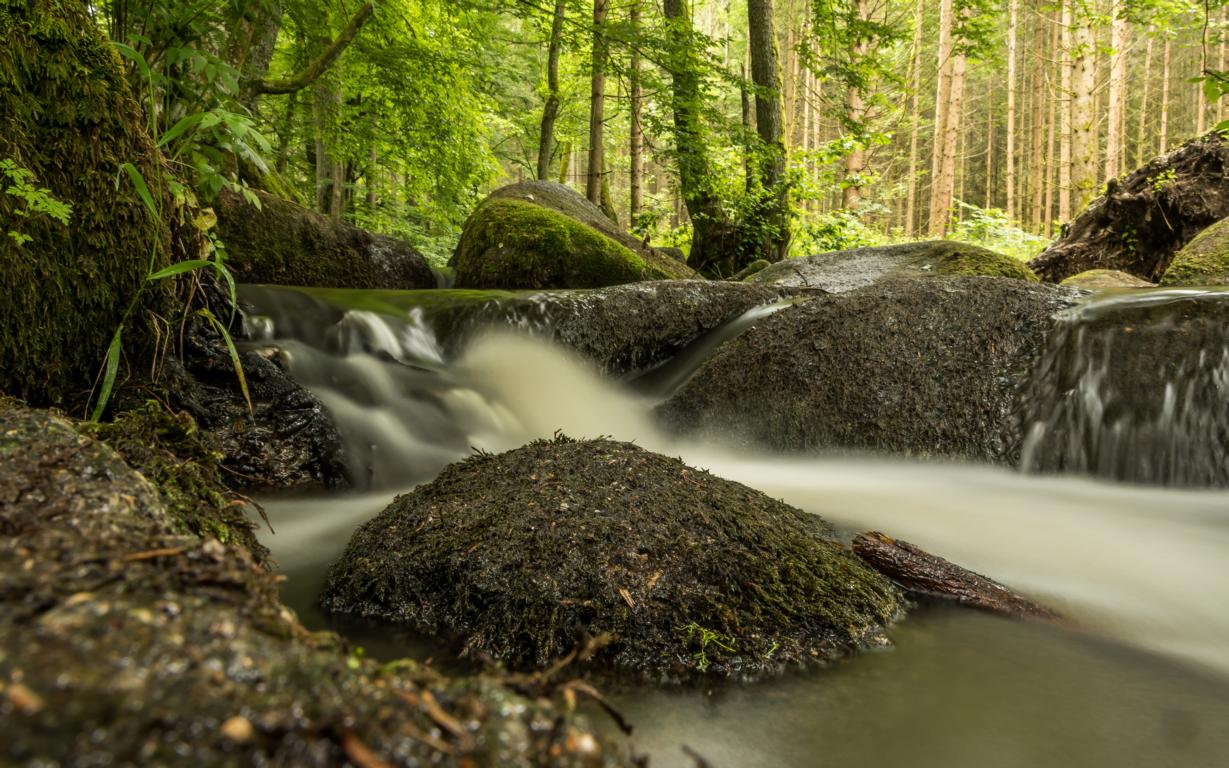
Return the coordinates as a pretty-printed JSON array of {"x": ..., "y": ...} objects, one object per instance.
[
  {"x": 526, "y": 553},
  {"x": 543, "y": 234},
  {"x": 283, "y": 243},
  {"x": 842, "y": 271},
  {"x": 124, "y": 642},
  {"x": 288, "y": 440},
  {"x": 1203, "y": 261},
  {"x": 1105, "y": 280},
  {"x": 917, "y": 367}
]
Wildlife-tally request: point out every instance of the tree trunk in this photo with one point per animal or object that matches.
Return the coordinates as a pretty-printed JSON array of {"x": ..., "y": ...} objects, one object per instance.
[
  {"x": 597, "y": 104},
  {"x": 1141, "y": 137},
  {"x": 1083, "y": 117},
  {"x": 1009, "y": 157},
  {"x": 1201, "y": 104},
  {"x": 1064, "y": 133},
  {"x": 942, "y": 202},
  {"x": 939, "y": 208},
  {"x": 1117, "y": 94},
  {"x": 855, "y": 114},
  {"x": 1164, "y": 138},
  {"x": 636, "y": 143},
  {"x": 914, "y": 119},
  {"x": 765, "y": 72},
  {"x": 550, "y": 111}
]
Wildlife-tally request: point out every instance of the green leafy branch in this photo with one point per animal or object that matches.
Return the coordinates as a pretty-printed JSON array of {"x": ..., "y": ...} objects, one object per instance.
[
  {"x": 18, "y": 182},
  {"x": 706, "y": 638}
]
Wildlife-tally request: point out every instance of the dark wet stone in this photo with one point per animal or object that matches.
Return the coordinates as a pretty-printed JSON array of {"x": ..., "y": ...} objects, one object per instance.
[
  {"x": 522, "y": 554},
  {"x": 124, "y": 642},
  {"x": 917, "y": 367}
]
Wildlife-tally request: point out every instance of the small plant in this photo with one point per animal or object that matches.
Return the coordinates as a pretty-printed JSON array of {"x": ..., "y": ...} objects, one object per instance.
[
  {"x": 990, "y": 228},
  {"x": 1163, "y": 180},
  {"x": 17, "y": 182},
  {"x": 706, "y": 637}
]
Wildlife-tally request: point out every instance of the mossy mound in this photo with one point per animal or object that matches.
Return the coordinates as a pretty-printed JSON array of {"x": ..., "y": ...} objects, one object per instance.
[
  {"x": 66, "y": 115},
  {"x": 1202, "y": 261},
  {"x": 525, "y": 552},
  {"x": 937, "y": 367},
  {"x": 1105, "y": 279},
  {"x": 283, "y": 243},
  {"x": 841, "y": 271},
  {"x": 510, "y": 242},
  {"x": 125, "y": 642}
]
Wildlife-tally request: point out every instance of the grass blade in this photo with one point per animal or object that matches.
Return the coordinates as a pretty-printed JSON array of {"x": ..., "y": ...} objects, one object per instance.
[
  {"x": 138, "y": 181},
  {"x": 179, "y": 267},
  {"x": 108, "y": 376},
  {"x": 234, "y": 356}
]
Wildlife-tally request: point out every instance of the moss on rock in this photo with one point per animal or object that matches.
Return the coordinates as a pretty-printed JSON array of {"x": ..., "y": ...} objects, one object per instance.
[
  {"x": 1105, "y": 279},
  {"x": 283, "y": 243},
  {"x": 67, "y": 116},
  {"x": 1202, "y": 261},
  {"x": 512, "y": 243},
  {"x": 841, "y": 271},
  {"x": 524, "y": 552}
]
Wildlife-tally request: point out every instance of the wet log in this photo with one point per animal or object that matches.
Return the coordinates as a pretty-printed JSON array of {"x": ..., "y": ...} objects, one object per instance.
[
  {"x": 922, "y": 573},
  {"x": 1145, "y": 217}
]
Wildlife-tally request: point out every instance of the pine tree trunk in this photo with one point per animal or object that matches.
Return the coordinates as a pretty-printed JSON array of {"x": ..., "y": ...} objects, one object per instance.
[
  {"x": 915, "y": 86},
  {"x": 597, "y": 105},
  {"x": 765, "y": 72},
  {"x": 1064, "y": 133},
  {"x": 550, "y": 112},
  {"x": 1083, "y": 113},
  {"x": 1009, "y": 157},
  {"x": 1141, "y": 144},
  {"x": 1164, "y": 139},
  {"x": 855, "y": 114},
  {"x": 636, "y": 143},
  {"x": 1117, "y": 93},
  {"x": 939, "y": 206}
]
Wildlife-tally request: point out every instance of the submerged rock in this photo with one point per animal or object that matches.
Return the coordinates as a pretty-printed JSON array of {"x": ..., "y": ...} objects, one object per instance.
[
  {"x": 283, "y": 243},
  {"x": 123, "y": 642},
  {"x": 917, "y": 367},
  {"x": 526, "y": 553},
  {"x": 842, "y": 271},
  {"x": 545, "y": 235},
  {"x": 1202, "y": 261}
]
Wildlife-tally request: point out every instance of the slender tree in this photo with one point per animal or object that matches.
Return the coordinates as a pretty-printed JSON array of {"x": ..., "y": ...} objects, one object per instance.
[{"x": 550, "y": 111}]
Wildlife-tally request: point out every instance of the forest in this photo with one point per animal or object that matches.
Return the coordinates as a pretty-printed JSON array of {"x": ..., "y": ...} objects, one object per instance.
[{"x": 613, "y": 383}]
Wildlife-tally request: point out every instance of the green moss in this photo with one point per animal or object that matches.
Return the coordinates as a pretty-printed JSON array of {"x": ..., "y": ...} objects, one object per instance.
[
  {"x": 168, "y": 450},
  {"x": 67, "y": 116},
  {"x": 970, "y": 261},
  {"x": 1202, "y": 261},
  {"x": 1101, "y": 279},
  {"x": 515, "y": 244}
]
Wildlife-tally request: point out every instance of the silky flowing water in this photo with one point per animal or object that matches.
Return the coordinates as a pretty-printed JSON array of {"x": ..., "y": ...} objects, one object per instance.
[{"x": 1139, "y": 678}]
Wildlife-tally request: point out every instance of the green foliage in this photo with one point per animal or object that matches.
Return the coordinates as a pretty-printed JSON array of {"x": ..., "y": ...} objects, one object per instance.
[
  {"x": 694, "y": 634},
  {"x": 839, "y": 230},
  {"x": 990, "y": 228},
  {"x": 17, "y": 182}
]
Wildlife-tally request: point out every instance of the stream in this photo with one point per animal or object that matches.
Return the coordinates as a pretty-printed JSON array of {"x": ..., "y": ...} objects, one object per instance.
[{"x": 1139, "y": 678}]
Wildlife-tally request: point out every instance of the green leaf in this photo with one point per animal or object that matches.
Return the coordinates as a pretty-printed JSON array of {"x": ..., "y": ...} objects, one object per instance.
[
  {"x": 234, "y": 356},
  {"x": 138, "y": 181},
  {"x": 108, "y": 376},
  {"x": 178, "y": 129},
  {"x": 230, "y": 284},
  {"x": 134, "y": 56},
  {"x": 179, "y": 268}
]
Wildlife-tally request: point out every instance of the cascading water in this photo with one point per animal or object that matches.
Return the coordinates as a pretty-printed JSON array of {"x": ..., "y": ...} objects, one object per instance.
[
  {"x": 414, "y": 385},
  {"x": 1135, "y": 387}
]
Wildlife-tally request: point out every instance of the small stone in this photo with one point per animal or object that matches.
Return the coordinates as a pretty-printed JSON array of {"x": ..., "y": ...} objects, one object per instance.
[{"x": 238, "y": 729}]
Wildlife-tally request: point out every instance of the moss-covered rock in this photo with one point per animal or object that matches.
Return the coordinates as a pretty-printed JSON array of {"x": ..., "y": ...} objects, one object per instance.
[
  {"x": 918, "y": 367},
  {"x": 66, "y": 115},
  {"x": 525, "y": 552},
  {"x": 841, "y": 271},
  {"x": 1105, "y": 279},
  {"x": 125, "y": 642},
  {"x": 513, "y": 242},
  {"x": 1202, "y": 261},
  {"x": 283, "y": 243}
]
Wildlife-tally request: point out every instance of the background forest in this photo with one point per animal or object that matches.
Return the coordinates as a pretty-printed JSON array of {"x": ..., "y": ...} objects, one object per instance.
[{"x": 991, "y": 121}]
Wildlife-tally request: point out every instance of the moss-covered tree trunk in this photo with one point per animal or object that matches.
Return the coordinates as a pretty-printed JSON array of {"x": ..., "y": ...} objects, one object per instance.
[{"x": 67, "y": 116}]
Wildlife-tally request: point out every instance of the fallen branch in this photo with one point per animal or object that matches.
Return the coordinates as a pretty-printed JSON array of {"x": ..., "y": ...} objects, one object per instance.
[{"x": 922, "y": 573}]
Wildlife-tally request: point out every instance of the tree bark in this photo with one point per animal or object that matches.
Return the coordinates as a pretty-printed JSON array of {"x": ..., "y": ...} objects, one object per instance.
[
  {"x": 597, "y": 105},
  {"x": 765, "y": 72},
  {"x": 938, "y": 208},
  {"x": 1009, "y": 158},
  {"x": 1141, "y": 137},
  {"x": 1117, "y": 93},
  {"x": 922, "y": 573},
  {"x": 1064, "y": 133},
  {"x": 1083, "y": 117},
  {"x": 1164, "y": 138},
  {"x": 550, "y": 111},
  {"x": 636, "y": 138},
  {"x": 855, "y": 114}
]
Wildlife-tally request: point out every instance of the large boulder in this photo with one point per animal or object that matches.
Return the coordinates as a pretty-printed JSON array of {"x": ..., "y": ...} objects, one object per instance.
[
  {"x": 917, "y": 367},
  {"x": 1106, "y": 280},
  {"x": 126, "y": 642},
  {"x": 283, "y": 243},
  {"x": 1202, "y": 261},
  {"x": 1146, "y": 216},
  {"x": 66, "y": 116},
  {"x": 526, "y": 553},
  {"x": 544, "y": 235},
  {"x": 842, "y": 271}
]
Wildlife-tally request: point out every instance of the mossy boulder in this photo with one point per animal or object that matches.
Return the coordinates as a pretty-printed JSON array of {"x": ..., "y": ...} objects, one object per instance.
[
  {"x": 1202, "y": 261},
  {"x": 525, "y": 553},
  {"x": 66, "y": 115},
  {"x": 917, "y": 367},
  {"x": 841, "y": 271},
  {"x": 283, "y": 243},
  {"x": 1105, "y": 280},
  {"x": 517, "y": 241},
  {"x": 124, "y": 641}
]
